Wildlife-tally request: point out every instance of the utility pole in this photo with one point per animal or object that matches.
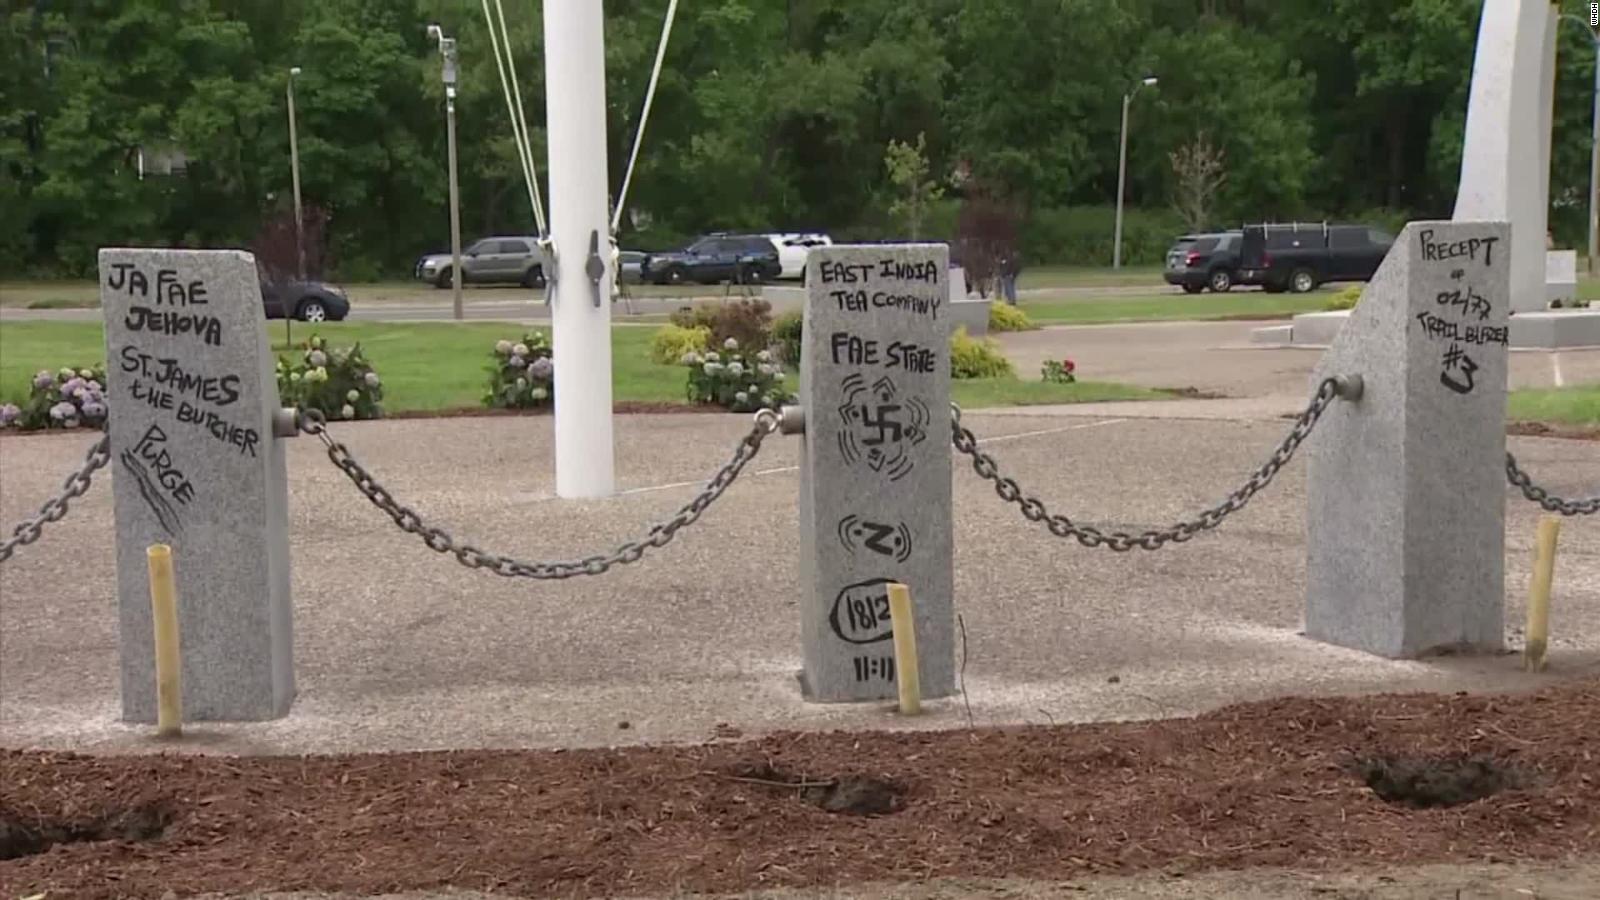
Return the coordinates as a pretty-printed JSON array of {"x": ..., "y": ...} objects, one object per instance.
[
  {"x": 1594, "y": 144},
  {"x": 294, "y": 165},
  {"x": 581, "y": 276},
  {"x": 1122, "y": 171},
  {"x": 447, "y": 50}
]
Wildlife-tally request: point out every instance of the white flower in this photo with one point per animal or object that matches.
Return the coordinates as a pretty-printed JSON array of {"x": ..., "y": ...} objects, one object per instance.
[
  {"x": 736, "y": 369},
  {"x": 690, "y": 359},
  {"x": 730, "y": 344},
  {"x": 502, "y": 347},
  {"x": 371, "y": 379},
  {"x": 713, "y": 357},
  {"x": 742, "y": 397},
  {"x": 294, "y": 376},
  {"x": 712, "y": 368},
  {"x": 753, "y": 389},
  {"x": 352, "y": 395},
  {"x": 66, "y": 374},
  {"x": 777, "y": 376},
  {"x": 764, "y": 356},
  {"x": 317, "y": 358},
  {"x": 62, "y": 410},
  {"x": 316, "y": 343},
  {"x": 321, "y": 373},
  {"x": 86, "y": 374},
  {"x": 765, "y": 369},
  {"x": 522, "y": 383},
  {"x": 520, "y": 350},
  {"x": 347, "y": 412},
  {"x": 538, "y": 393}
]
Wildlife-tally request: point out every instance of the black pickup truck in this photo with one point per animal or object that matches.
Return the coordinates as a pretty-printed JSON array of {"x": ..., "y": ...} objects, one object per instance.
[{"x": 1298, "y": 257}]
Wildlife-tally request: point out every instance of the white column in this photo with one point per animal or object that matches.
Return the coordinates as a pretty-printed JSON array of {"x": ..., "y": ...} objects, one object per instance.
[{"x": 575, "y": 91}]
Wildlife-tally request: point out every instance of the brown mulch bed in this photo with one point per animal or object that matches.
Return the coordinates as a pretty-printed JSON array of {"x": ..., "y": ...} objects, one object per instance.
[
  {"x": 1291, "y": 782},
  {"x": 1544, "y": 429}
]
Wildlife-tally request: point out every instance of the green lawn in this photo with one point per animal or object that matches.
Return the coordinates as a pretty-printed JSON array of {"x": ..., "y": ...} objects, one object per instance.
[
  {"x": 427, "y": 366},
  {"x": 1045, "y": 277},
  {"x": 1167, "y": 307},
  {"x": 1577, "y": 405}
]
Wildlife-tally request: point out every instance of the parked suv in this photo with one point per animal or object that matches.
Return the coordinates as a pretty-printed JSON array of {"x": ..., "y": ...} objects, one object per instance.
[
  {"x": 1298, "y": 257},
  {"x": 747, "y": 259},
  {"x": 493, "y": 260},
  {"x": 1200, "y": 261}
]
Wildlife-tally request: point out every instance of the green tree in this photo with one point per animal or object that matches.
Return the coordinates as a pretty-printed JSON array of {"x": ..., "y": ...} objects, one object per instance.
[{"x": 907, "y": 165}]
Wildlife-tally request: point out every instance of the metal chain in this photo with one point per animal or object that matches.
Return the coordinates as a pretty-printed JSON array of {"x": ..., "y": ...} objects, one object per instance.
[
  {"x": 1034, "y": 511},
  {"x": 76, "y": 485},
  {"x": 1522, "y": 481},
  {"x": 437, "y": 539}
]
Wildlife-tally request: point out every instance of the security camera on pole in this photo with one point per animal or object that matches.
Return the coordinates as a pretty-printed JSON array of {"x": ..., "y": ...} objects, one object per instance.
[
  {"x": 578, "y": 268},
  {"x": 447, "y": 50}
]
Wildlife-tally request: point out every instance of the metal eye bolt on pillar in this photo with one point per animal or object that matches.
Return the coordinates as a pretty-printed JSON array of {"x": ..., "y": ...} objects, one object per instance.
[
  {"x": 1589, "y": 28},
  {"x": 1122, "y": 168},
  {"x": 447, "y": 51}
]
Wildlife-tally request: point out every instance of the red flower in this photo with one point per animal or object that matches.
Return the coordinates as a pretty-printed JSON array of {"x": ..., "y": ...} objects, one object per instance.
[{"x": 1068, "y": 365}]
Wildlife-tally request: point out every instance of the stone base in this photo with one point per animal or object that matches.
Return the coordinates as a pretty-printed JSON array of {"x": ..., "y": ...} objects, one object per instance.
[
  {"x": 971, "y": 314},
  {"x": 1556, "y": 329}
]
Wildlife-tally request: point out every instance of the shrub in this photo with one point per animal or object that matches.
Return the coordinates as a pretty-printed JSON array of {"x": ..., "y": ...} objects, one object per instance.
[
  {"x": 671, "y": 342},
  {"x": 1059, "y": 371},
  {"x": 339, "y": 383},
  {"x": 972, "y": 357},
  {"x": 1005, "y": 317},
  {"x": 737, "y": 379},
  {"x": 67, "y": 398},
  {"x": 1345, "y": 299},
  {"x": 522, "y": 375},
  {"x": 786, "y": 333},
  {"x": 749, "y": 322}
]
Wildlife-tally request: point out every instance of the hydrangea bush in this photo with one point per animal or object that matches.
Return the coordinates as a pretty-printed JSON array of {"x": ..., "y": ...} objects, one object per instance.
[
  {"x": 740, "y": 381},
  {"x": 67, "y": 398},
  {"x": 338, "y": 382},
  {"x": 523, "y": 375}
]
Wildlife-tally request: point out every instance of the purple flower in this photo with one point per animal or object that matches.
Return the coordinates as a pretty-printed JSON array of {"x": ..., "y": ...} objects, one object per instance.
[
  {"x": 43, "y": 379},
  {"x": 517, "y": 362},
  {"x": 8, "y": 414},
  {"x": 92, "y": 410},
  {"x": 541, "y": 367}
]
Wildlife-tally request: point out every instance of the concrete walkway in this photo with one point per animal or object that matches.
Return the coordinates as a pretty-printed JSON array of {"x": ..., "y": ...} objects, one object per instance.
[{"x": 401, "y": 648}]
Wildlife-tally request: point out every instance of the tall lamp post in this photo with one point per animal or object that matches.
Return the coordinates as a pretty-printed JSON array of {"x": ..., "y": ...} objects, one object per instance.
[
  {"x": 447, "y": 50},
  {"x": 294, "y": 165},
  {"x": 1594, "y": 149},
  {"x": 1122, "y": 169}
]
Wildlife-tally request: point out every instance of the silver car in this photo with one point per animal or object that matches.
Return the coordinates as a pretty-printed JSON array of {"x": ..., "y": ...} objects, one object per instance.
[{"x": 493, "y": 260}]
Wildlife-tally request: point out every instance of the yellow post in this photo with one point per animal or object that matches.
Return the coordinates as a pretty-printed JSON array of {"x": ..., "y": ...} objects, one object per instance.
[
  {"x": 164, "y": 612},
  {"x": 907, "y": 675},
  {"x": 1544, "y": 565}
]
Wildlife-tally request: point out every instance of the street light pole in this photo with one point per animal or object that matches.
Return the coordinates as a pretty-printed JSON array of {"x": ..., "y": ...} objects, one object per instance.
[
  {"x": 447, "y": 50},
  {"x": 1594, "y": 147},
  {"x": 1122, "y": 171},
  {"x": 294, "y": 165}
]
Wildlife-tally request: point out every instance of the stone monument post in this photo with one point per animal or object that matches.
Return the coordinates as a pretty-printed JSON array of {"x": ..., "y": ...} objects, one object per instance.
[
  {"x": 875, "y": 467},
  {"x": 193, "y": 399},
  {"x": 1406, "y": 508}
]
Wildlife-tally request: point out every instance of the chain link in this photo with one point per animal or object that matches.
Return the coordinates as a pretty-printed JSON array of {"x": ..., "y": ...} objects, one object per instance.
[
  {"x": 439, "y": 540},
  {"x": 1523, "y": 482},
  {"x": 76, "y": 485},
  {"x": 1034, "y": 511}
]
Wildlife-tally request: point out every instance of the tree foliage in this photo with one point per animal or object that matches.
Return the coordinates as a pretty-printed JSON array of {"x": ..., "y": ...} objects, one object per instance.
[{"x": 771, "y": 114}]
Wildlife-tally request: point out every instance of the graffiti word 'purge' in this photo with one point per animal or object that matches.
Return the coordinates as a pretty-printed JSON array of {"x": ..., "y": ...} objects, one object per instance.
[
  {"x": 169, "y": 373},
  {"x": 859, "y": 301},
  {"x": 1439, "y": 327},
  {"x": 151, "y": 448},
  {"x": 1438, "y": 251},
  {"x": 896, "y": 269},
  {"x": 162, "y": 321}
]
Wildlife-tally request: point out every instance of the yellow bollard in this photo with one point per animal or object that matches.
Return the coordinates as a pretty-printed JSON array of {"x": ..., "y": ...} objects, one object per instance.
[
  {"x": 1544, "y": 565},
  {"x": 907, "y": 676},
  {"x": 164, "y": 612}
]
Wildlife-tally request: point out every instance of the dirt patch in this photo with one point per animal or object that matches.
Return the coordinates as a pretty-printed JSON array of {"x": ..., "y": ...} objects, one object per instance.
[
  {"x": 1423, "y": 783},
  {"x": 20, "y": 836},
  {"x": 1548, "y": 429},
  {"x": 1192, "y": 393},
  {"x": 1265, "y": 784}
]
